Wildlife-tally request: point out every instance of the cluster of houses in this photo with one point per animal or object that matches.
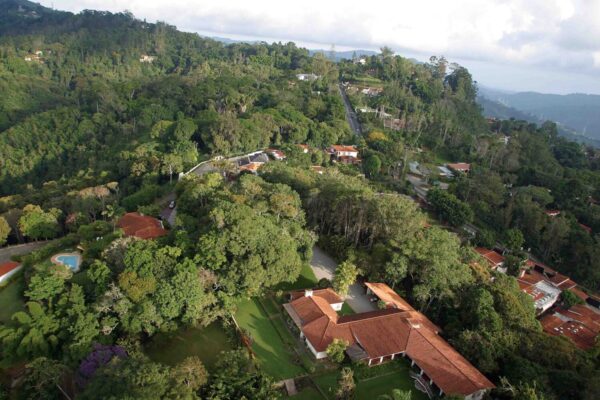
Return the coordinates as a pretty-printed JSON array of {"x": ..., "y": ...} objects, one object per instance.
[
  {"x": 374, "y": 337},
  {"x": 580, "y": 323}
]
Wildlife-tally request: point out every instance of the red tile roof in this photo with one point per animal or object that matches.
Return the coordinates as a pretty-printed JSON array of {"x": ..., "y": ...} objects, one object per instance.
[
  {"x": 461, "y": 167},
  {"x": 579, "y": 323},
  {"x": 7, "y": 267},
  {"x": 552, "y": 213},
  {"x": 252, "y": 167},
  {"x": 387, "y": 295},
  {"x": 141, "y": 226},
  {"x": 579, "y": 293},
  {"x": 343, "y": 148},
  {"x": 494, "y": 258},
  {"x": 585, "y": 228},
  {"x": 548, "y": 274},
  {"x": 328, "y": 294},
  {"x": 391, "y": 331}
]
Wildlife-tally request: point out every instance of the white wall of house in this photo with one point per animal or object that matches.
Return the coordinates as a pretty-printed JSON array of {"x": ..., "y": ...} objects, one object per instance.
[
  {"x": 318, "y": 355},
  {"x": 6, "y": 277},
  {"x": 347, "y": 153},
  {"x": 337, "y": 306}
]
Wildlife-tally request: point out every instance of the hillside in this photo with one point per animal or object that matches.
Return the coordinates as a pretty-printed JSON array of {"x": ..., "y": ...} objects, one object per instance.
[
  {"x": 496, "y": 109},
  {"x": 577, "y": 111}
]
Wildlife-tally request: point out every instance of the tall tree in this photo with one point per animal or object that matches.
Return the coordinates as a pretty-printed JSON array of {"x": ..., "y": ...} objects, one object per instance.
[{"x": 345, "y": 275}]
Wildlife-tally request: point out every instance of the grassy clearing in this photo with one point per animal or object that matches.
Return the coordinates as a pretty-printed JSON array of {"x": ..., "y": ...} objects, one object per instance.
[
  {"x": 307, "y": 279},
  {"x": 11, "y": 298},
  {"x": 206, "y": 343},
  {"x": 272, "y": 343},
  {"x": 373, "y": 382},
  {"x": 308, "y": 393}
]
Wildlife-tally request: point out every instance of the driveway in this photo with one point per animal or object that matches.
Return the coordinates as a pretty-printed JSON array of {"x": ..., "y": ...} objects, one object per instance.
[
  {"x": 324, "y": 267},
  {"x": 18, "y": 250}
]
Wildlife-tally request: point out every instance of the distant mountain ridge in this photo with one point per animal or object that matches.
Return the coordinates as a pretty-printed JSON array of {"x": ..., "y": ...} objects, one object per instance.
[{"x": 577, "y": 112}]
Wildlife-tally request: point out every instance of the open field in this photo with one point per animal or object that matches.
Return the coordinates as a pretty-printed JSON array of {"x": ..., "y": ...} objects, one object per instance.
[
  {"x": 206, "y": 343},
  {"x": 272, "y": 345}
]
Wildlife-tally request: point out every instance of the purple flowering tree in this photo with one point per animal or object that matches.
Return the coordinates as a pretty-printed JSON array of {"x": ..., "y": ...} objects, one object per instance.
[{"x": 98, "y": 357}]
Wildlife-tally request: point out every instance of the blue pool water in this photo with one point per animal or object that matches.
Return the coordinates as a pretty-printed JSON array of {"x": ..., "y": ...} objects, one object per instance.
[{"x": 71, "y": 261}]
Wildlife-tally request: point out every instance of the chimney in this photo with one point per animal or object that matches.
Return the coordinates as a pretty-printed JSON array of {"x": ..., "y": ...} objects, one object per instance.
[{"x": 308, "y": 293}]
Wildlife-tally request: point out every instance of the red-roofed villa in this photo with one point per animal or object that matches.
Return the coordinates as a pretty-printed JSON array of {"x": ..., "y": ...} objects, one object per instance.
[
  {"x": 378, "y": 336},
  {"x": 141, "y": 226}
]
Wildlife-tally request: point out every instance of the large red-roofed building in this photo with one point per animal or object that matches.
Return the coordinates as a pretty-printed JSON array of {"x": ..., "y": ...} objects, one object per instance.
[
  {"x": 141, "y": 226},
  {"x": 580, "y": 324},
  {"x": 378, "y": 336}
]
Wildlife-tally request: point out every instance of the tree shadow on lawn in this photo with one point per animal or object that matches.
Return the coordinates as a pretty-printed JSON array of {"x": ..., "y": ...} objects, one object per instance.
[{"x": 274, "y": 356}]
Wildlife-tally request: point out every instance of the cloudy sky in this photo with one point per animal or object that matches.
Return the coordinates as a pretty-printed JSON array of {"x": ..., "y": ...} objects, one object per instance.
[{"x": 550, "y": 46}]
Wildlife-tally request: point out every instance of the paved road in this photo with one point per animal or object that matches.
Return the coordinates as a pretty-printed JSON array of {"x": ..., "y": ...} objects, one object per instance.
[
  {"x": 350, "y": 114},
  {"x": 7, "y": 252},
  {"x": 419, "y": 185},
  {"x": 324, "y": 267}
]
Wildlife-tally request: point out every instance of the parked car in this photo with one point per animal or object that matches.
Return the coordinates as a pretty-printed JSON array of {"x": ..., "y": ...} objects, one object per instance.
[{"x": 172, "y": 204}]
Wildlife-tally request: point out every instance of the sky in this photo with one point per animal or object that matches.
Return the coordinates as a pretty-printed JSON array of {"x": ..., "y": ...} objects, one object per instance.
[{"x": 549, "y": 46}]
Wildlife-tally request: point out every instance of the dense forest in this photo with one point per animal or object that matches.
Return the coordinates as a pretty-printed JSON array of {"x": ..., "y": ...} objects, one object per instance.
[{"x": 101, "y": 113}]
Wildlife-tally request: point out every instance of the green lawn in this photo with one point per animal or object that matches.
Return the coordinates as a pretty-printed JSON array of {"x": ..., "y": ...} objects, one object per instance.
[
  {"x": 385, "y": 378},
  {"x": 308, "y": 393},
  {"x": 206, "y": 343},
  {"x": 275, "y": 356},
  {"x": 374, "y": 387},
  {"x": 11, "y": 298},
  {"x": 346, "y": 310},
  {"x": 307, "y": 279}
]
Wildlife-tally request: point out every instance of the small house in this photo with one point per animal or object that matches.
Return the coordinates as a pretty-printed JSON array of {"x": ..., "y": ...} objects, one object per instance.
[
  {"x": 494, "y": 259},
  {"x": 344, "y": 154},
  {"x": 460, "y": 167},
  {"x": 276, "y": 154},
  {"x": 307, "y": 77},
  {"x": 145, "y": 58}
]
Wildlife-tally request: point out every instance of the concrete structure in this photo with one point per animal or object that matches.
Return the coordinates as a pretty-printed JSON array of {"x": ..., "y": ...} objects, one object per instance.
[
  {"x": 307, "y": 77},
  {"x": 145, "y": 58}
]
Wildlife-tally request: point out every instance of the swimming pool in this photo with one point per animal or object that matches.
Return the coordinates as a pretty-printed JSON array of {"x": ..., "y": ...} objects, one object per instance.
[{"x": 72, "y": 260}]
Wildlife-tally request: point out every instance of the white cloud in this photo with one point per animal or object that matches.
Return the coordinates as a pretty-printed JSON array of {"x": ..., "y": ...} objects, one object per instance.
[{"x": 559, "y": 35}]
